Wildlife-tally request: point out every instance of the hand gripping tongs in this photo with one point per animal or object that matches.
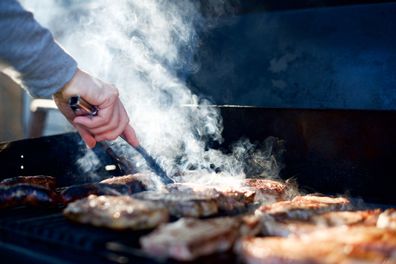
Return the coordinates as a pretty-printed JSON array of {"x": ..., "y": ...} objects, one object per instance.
[{"x": 82, "y": 107}]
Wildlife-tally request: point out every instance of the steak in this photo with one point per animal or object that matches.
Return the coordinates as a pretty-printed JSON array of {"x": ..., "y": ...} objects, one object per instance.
[
  {"x": 47, "y": 182},
  {"x": 136, "y": 182},
  {"x": 182, "y": 204},
  {"x": 116, "y": 212},
  {"x": 268, "y": 191},
  {"x": 304, "y": 207},
  {"x": 190, "y": 238},
  {"x": 228, "y": 199},
  {"x": 297, "y": 227},
  {"x": 26, "y": 195},
  {"x": 357, "y": 244}
]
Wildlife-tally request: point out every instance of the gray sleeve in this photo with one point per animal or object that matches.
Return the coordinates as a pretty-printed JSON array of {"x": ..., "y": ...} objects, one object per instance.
[{"x": 24, "y": 44}]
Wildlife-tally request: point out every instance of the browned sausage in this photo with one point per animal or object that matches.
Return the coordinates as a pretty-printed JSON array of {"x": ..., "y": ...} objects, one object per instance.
[
  {"x": 26, "y": 194},
  {"x": 48, "y": 182}
]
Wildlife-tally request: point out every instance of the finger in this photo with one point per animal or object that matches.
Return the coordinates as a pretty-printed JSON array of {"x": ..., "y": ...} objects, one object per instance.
[
  {"x": 112, "y": 125},
  {"x": 114, "y": 133},
  {"x": 129, "y": 136},
  {"x": 103, "y": 118},
  {"x": 86, "y": 136}
]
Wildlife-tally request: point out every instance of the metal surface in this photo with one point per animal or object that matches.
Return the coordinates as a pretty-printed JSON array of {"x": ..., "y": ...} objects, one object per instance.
[
  {"x": 64, "y": 156},
  {"x": 45, "y": 236},
  {"x": 328, "y": 151}
]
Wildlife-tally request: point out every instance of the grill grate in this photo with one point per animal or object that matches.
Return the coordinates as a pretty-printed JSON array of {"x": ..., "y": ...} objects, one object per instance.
[
  {"x": 47, "y": 231},
  {"x": 44, "y": 229}
]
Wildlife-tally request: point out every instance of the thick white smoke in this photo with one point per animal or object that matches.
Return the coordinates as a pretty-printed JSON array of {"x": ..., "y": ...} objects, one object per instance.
[{"x": 143, "y": 47}]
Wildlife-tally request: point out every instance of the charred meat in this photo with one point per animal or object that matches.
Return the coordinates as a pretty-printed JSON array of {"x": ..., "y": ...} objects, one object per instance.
[{"x": 116, "y": 212}]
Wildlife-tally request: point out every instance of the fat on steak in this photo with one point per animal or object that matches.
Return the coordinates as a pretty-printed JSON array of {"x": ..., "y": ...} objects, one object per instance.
[
  {"x": 190, "y": 238},
  {"x": 357, "y": 244},
  {"x": 182, "y": 204},
  {"x": 116, "y": 212}
]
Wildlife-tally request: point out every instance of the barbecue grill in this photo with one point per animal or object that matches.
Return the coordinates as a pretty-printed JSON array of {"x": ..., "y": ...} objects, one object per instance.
[{"x": 332, "y": 150}]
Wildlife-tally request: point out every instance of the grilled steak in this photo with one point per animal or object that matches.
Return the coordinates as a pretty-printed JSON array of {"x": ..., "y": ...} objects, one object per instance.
[
  {"x": 48, "y": 182},
  {"x": 182, "y": 203},
  {"x": 304, "y": 207},
  {"x": 286, "y": 227},
  {"x": 26, "y": 194},
  {"x": 387, "y": 219},
  {"x": 333, "y": 245},
  {"x": 136, "y": 182},
  {"x": 234, "y": 199},
  {"x": 268, "y": 191},
  {"x": 229, "y": 199},
  {"x": 190, "y": 238},
  {"x": 116, "y": 212}
]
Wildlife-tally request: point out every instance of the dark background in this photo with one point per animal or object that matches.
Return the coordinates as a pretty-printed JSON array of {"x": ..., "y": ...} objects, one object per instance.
[{"x": 300, "y": 54}]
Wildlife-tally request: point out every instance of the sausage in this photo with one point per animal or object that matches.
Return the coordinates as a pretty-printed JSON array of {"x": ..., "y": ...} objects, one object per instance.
[
  {"x": 48, "y": 182},
  {"x": 26, "y": 194},
  {"x": 75, "y": 192}
]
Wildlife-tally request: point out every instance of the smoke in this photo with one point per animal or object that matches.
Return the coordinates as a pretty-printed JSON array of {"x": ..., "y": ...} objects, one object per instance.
[{"x": 145, "y": 48}]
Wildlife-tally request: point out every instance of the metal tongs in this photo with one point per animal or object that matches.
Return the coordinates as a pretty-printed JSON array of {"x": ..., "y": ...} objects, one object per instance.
[{"x": 82, "y": 107}]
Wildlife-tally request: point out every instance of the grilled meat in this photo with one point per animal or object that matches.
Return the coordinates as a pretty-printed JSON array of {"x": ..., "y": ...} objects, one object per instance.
[
  {"x": 286, "y": 227},
  {"x": 229, "y": 199},
  {"x": 387, "y": 219},
  {"x": 234, "y": 199},
  {"x": 47, "y": 182},
  {"x": 116, "y": 212},
  {"x": 182, "y": 203},
  {"x": 190, "y": 238},
  {"x": 136, "y": 182},
  {"x": 304, "y": 207},
  {"x": 268, "y": 191},
  {"x": 75, "y": 192},
  {"x": 26, "y": 194},
  {"x": 333, "y": 245}
]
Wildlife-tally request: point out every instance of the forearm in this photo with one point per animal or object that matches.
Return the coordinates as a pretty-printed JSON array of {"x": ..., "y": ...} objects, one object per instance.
[{"x": 44, "y": 66}]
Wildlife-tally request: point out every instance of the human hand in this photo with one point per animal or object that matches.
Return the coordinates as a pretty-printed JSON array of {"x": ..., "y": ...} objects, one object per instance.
[{"x": 112, "y": 120}]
